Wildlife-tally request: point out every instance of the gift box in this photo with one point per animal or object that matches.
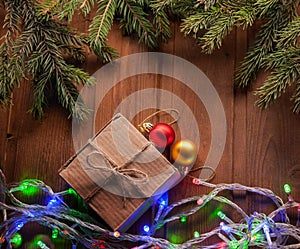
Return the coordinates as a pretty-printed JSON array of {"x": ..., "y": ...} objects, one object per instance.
[{"x": 119, "y": 173}]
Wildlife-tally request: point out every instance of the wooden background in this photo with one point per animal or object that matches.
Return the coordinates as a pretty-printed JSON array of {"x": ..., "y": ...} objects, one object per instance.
[{"x": 262, "y": 147}]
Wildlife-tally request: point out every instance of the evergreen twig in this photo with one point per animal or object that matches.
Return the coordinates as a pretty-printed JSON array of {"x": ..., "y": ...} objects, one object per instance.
[
  {"x": 134, "y": 19},
  {"x": 35, "y": 48},
  {"x": 28, "y": 49}
]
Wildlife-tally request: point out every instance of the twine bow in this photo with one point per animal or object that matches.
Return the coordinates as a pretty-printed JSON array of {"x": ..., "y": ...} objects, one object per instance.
[{"x": 119, "y": 172}]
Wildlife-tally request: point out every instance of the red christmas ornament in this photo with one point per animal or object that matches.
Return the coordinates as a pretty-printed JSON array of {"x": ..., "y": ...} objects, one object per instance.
[{"x": 162, "y": 135}]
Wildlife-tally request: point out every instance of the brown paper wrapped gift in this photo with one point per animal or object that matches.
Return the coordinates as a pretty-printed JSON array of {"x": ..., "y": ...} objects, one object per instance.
[{"x": 119, "y": 173}]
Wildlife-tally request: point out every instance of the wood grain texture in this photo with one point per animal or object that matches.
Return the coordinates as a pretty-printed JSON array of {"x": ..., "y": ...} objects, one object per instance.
[
  {"x": 240, "y": 171},
  {"x": 3, "y": 135},
  {"x": 274, "y": 153},
  {"x": 261, "y": 146},
  {"x": 37, "y": 149},
  {"x": 219, "y": 70}
]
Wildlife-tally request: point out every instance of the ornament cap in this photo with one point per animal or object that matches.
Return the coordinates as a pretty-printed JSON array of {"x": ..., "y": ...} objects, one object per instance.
[{"x": 145, "y": 128}]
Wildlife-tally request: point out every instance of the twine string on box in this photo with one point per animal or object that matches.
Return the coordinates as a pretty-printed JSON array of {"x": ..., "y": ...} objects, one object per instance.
[{"x": 119, "y": 172}]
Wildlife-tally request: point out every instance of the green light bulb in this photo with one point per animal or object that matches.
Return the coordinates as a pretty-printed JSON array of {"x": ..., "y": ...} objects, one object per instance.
[
  {"x": 258, "y": 237},
  {"x": 196, "y": 234},
  {"x": 287, "y": 188},
  {"x": 72, "y": 191},
  {"x": 175, "y": 239},
  {"x": 54, "y": 234},
  {"x": 183, "y": 219},
  {"x": 233, "y": 244},
  {"x": 221, "y": 215},
  {"x": 27, "y": 189},
  {"x": 16, "y": 240},
  {"x": 23, "y": 187},
  {"x": 42, "y": 245}
]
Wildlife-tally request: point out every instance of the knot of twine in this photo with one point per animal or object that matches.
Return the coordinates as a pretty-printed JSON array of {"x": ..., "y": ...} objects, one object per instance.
[{"x": 120, "y": 172}]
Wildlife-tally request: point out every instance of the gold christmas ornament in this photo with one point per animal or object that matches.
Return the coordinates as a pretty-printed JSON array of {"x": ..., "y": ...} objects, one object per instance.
[{"x": 184, "y": 152}]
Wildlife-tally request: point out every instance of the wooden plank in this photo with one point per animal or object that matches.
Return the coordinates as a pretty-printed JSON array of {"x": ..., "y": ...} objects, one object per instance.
[
  {"x": 275, "y": 153},
  {"x": 241, "y": 170},
  {"x": 37, "y": 149},
  {"x": 240, "y": 115},
  {"x": 272, "y": 138},
  {"x": 91, "y": 64},
  {"x": 107, "y": 107},
  {"x": 3, "y": 135},
  {"x": 219, "y": 69}
]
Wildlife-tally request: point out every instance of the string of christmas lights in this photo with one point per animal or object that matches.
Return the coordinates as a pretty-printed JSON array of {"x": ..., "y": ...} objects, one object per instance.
[{"x": 258, "y": 229}]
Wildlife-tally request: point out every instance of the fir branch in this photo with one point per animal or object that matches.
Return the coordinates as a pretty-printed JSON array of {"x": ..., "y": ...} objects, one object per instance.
[
  {"x": 250, "y": 66},
  {"x": 280, "y": 57},
  {"x": 86, "y": 6},
  {"x": 281, "y": 77},
  {"x": 179, "y": 8},
  {"x": 218, "y": 21},
  {"x": 68, "y": 93},
  {"x": 296, "y": 98},
  {"x": 100, "y": 27},
  {"x": 160, "y": 20},
  {"x": 68, "y": 9},
  {"x": 266, "y": 6},
  {"x": 84, "y": 3},
  {"x": 105, "y": 20},
  {"x": 162, "y": 26},
  {"x": 46, "y": 6},
  {"x": 6, "y": 85},
  {"x": 198, "y": 21},
  {"x": 183, "y": 9},
  {"x": 39, "y": 94},
  {"x": 143, "y": 3},
  {"x": 288, "y": 35},
  {"x": 264, "y": 44},
  {"x": 12, "y": 20},
  {"x": 39, "y": 52},
  {"x": 134, "y": 19},
  {"x": 208, "y": 3},
  {"x": 38, "y": 42},
  {"x": 213, "y": 38},
  {"x": 48, "y": 59},
  {"x": 162, "y": 4},
  {"x": 79, "y": 77},
  {"x": 64, "y": 8},
  {"x": 285, "y": 65},
  {"x": 71, "y": 44},
  {"x": 245, "y": 15}
]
